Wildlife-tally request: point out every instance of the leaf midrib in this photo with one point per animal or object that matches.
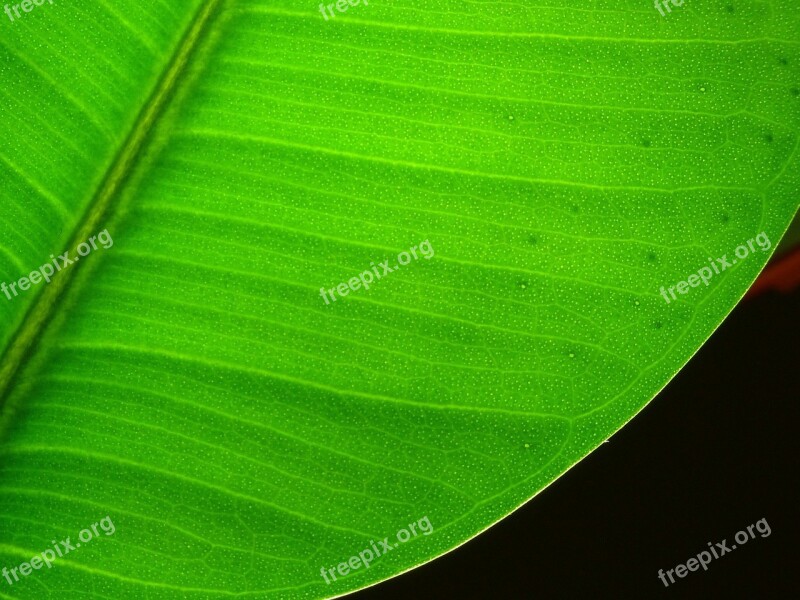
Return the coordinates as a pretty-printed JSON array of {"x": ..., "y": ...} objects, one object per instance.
[{"x": 43, "y": 309}]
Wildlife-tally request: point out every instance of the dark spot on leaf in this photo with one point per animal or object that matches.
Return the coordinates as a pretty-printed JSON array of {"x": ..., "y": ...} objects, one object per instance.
[
  {"x": 533, "y": 240},
  {"x": 730, "y": 8},
  {"x": 651, "y": 256},
  {"x": 725, "y": 218},
  {"x": 646, "y": 143},
  {"x": 783, "y": 60},
  {"x": 795, "y": 91},
  {"x": 575, "y": 208},
  {"x": 657, "y": 325},
  {"x": 769, "y": 138},
  {"x": 523, "y": 285}
]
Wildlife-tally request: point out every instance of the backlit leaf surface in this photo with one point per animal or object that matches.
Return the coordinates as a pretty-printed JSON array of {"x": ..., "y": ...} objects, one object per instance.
[{"x": 564, "y": 159}]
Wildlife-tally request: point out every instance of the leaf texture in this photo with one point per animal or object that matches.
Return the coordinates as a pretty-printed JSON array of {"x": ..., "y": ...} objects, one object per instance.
[{"x": 563, "y": 160}]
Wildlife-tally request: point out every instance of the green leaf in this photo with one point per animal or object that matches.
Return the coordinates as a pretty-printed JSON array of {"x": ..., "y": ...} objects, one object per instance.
[{"x": 561, "y": 162}]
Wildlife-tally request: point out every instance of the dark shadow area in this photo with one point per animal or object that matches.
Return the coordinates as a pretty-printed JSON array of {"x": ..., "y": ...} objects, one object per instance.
[{"x": 715, "y": 452}]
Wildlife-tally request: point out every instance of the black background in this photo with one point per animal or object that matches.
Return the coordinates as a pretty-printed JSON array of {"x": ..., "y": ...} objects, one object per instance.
[{"x": 715, "y": 452}]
